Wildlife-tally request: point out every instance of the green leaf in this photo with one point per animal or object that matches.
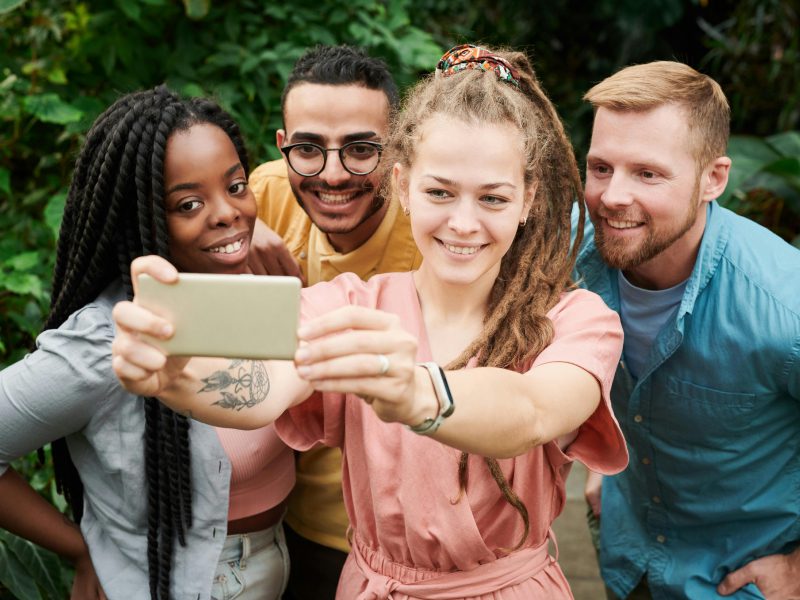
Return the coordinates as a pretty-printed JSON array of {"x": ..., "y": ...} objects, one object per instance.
[
  {"x": 43, "y": 565},
  {"x": 21, "y": 283},
  {"x": 742, "y": 169},
  {"x": 9, "y": 5},
  {"x": 51, "y": 109},
  {"x": 54, "y": 211},
  {"x": 57, "y": 76},
  {"x": 23, "y": 262},
  {"x": 14, "y": 576},
  {"x": 130, "y": 8},
  {"x": 787, "y": 143},
  {"x": 196, "y": 9},
  {"x": 5, "y": 180},
  {"x": 751, "y": 147}
]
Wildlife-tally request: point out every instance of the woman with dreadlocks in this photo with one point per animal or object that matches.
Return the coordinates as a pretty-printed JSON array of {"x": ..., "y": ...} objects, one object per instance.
[
  {"x": 459, "y": 503},
  {"x": 157, "y": 175}
]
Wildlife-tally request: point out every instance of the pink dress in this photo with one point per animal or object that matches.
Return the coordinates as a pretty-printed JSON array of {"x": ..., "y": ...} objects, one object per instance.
[{"x": 411, "y": 539}]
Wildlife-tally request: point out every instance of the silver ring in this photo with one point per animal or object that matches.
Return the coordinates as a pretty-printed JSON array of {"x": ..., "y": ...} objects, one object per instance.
[{"x": 384, "y": 360}]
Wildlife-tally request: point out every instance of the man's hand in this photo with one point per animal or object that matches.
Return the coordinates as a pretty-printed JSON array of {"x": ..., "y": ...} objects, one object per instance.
[
  {"x": 269, "y": 255},
  {"x": 592, "y": 489},
  {"x": 777, "y": 577}
]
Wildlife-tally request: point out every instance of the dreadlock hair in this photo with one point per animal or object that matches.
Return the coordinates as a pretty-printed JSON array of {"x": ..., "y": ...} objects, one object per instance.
[
  {"x": 114, "y": 213},
  {"x": 538, "y": 265}
]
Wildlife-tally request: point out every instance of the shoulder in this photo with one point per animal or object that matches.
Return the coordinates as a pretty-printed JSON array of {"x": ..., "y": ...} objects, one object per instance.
[
  {"x": 272, "y": 170},
  {"x": 754, "y": 257},
  {"x": 584, "y": 306}
]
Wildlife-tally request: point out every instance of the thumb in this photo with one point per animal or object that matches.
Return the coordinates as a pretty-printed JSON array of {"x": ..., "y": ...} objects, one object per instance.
[{"x": 736, "y": 580}]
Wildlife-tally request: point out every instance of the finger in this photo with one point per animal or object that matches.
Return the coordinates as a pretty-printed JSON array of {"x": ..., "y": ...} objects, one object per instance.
[
  {"x": 347, "y": 317},
  {"x": 134, "y": 379},
  {"x": 157, "y": 267},
  {"x": 736, "y": 580},
  {"x": 289, "y": 266},
  {"x": 354, "y": 366},
  {"x": 353, "y": 342},
  {"x": 131, "y": 317},
  {"x": 138, "y": 353}
]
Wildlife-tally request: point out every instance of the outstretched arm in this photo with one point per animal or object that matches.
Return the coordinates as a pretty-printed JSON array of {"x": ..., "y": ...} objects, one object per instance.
[{"x": 243, "y": 394}]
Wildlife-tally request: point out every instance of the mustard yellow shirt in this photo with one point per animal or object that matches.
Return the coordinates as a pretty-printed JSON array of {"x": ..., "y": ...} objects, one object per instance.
[{"x": 316, "y": 505}]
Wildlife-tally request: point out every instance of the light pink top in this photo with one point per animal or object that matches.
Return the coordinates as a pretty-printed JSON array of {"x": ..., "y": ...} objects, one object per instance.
[
  {"x": 262, "y": 470},
  {"x": 411, "y": 540}
]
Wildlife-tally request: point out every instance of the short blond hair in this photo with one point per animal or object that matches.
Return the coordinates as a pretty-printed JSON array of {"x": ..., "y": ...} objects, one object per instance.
[{"x": 648, "y": 86}]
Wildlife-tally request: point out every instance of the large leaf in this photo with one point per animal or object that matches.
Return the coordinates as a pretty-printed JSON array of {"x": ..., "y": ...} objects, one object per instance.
[
  {"x": 54, "y": 211},
  {"x": 9, "y": 5},
  {"x": 751, "y": 147},
  {"x": 23, "y": 262},
  {"x": 787, "y": 143},
  {"x": 51, "y": 109},
  {"x": 42, "y": 565},
  {"x": 14, "y": 576},
  {"x": 22, "y": 284}
]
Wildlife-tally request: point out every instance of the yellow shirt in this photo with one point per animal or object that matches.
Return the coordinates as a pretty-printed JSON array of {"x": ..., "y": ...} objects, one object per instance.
[{"x": 316, "y": 506}]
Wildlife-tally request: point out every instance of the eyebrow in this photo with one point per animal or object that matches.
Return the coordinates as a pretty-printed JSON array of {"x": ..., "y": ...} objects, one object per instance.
[
  {"x": 193, "y": 186},
  {"x": 307, "y": 136},
  {"x": 651, "y": 165},
  {"x": 486, "y": 186}
]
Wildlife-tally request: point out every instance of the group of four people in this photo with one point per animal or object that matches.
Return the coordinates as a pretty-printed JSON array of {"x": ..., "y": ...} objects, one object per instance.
[{"x": 478, "y": 178}]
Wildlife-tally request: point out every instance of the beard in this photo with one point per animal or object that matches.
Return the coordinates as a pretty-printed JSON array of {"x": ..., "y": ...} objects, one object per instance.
[
  {"x": 310, "y": 185},
  {"x": 621, "y": 254}
]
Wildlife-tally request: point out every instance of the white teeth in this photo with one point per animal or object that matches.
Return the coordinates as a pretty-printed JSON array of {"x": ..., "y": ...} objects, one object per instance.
[
  {"x": 228, "y": 248},
  {"x": 461, "y": 249},
  {"x": 328, "y": 198},
  {"x": 623, "y": 224}
]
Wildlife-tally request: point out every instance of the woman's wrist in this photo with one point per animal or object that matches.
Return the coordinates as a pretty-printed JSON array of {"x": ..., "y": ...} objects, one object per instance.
[{"x": 426, "y": 404}]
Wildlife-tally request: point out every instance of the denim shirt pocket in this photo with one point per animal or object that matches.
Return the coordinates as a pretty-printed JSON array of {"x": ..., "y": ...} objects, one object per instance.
[{"x": 706, "y": 415}]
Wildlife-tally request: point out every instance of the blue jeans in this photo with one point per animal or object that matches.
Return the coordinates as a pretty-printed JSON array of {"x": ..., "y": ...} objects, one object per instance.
[{"x": 252, "y": 566}]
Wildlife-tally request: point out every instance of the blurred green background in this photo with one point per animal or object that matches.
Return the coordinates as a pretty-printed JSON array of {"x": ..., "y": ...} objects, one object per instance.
[{"x": 63, "y": 61}]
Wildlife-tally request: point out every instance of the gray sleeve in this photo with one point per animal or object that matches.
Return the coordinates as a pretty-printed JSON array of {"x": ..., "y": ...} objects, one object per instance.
[{"x": 56, "y": 390}]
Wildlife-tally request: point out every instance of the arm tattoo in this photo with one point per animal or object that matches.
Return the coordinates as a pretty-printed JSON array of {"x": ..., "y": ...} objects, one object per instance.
[{"x": 243, "y": 385}]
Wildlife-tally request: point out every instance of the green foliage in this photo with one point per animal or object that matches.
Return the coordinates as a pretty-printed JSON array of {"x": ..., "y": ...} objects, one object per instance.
[
  {"x": 29, "y": 572},
  {"x": 765, "y": 181}
]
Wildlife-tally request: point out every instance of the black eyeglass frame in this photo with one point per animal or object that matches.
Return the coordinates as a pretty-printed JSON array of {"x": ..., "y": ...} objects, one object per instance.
[{"x": 288, "y": 148}]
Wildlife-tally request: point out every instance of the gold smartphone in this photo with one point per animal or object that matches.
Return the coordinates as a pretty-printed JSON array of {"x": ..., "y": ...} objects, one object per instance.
[{"x": 235, "y": 316}]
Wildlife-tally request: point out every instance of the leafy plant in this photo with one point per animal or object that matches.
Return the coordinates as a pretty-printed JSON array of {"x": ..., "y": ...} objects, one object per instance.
[{"x": 764, "y": 182}]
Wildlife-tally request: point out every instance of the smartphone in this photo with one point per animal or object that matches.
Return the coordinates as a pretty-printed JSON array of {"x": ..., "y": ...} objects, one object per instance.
[{"x": 236, "y": 316}]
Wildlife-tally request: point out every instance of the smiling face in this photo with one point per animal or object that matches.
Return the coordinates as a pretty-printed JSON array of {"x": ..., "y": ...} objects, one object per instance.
[
  {"x": 466, "y": 193},
  {"x": 347, "y": 207},
  {"x": 643, "y": 191},
  {"x": 210, "y": 210}
]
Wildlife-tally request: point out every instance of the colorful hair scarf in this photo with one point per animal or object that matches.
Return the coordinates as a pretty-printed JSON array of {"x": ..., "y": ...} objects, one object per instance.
[{"x": 467, "y": 56}]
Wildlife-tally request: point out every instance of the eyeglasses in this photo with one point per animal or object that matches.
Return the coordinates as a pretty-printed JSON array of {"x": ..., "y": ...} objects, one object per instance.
[{"x": 358, "y": 158}]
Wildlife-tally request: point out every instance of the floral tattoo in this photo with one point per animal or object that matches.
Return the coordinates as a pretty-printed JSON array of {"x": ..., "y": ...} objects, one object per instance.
[{"x": 243, "y": 385}]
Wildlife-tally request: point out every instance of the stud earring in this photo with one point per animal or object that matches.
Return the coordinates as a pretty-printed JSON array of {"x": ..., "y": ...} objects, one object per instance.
[
  {"x": 406, "y": 211},
  {"x": 523, "y": 222}
]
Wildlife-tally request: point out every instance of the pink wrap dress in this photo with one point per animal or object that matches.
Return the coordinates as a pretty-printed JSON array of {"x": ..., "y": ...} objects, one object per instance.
[{"x": 412, "y": 536}]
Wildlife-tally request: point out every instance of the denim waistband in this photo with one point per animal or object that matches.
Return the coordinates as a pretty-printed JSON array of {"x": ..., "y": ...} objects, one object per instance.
[{"x": 243, "y": 545}]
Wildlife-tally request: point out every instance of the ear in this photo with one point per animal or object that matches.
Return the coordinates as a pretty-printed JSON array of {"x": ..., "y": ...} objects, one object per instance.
[
  {"x": 530, "y": 196},
  {"x": 280, "y": 138},
  {"x": 400, "y": 184},
  {"x": 715, "y": 179}
]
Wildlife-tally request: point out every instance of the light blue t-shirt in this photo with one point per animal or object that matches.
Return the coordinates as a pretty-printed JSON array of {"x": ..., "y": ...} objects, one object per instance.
[
  {"x": 643, "y": 313},
  {"x": 712, "y": 422}
]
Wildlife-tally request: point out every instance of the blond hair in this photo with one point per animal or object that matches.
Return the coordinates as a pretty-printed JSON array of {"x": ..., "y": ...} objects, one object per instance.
[
  {"x": 537, "y": 267},
  {"x": 645, "y": 87}
]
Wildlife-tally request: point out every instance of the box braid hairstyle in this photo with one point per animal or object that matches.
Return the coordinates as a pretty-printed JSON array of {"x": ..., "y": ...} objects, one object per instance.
[
  {"x": 114, "y": 213},
  {"x": 537, "y": 267}
]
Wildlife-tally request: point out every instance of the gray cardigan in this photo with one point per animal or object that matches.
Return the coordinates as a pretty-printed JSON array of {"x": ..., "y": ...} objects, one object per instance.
[{"x": 66, "y": 388}]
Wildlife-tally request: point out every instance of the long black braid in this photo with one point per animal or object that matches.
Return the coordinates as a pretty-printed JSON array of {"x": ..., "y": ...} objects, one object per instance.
[{"x": 114, "y": 213}]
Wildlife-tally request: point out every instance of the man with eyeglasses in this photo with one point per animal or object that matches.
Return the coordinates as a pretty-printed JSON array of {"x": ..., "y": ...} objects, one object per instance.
[{"x": 323, "y": 202}]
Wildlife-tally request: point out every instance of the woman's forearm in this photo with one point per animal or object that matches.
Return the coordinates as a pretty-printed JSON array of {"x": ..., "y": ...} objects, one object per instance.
[
  {"x": 501, "y": 413},
  {"x": 25, "y": 513},
  {"x": 235, "y": 393}
]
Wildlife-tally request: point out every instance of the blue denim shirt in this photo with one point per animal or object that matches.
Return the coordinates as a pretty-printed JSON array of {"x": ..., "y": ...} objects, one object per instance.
[{"x": 713, "y": 423}]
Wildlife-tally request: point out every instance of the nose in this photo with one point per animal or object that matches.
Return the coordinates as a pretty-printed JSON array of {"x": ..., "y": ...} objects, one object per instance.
[
  {"x": 334, "y": 172},
  {"x": 464, "y": 218},
  {"x": 224, "y": 213},
  {"x": 617, "y": 194}
]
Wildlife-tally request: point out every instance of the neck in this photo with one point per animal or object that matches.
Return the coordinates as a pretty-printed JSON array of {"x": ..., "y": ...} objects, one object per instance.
[
  {"x": 673, "y": 265},
  {"x": 345, "y": 243},
  {"x": 452, "y": 304}
]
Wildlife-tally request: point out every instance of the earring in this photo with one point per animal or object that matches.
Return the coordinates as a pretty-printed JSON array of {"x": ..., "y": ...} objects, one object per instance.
[
  {"x": 523, "y": 222},
  {"x": 406, "y": 211}
]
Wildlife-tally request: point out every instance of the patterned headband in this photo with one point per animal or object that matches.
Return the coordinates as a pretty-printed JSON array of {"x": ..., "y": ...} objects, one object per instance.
[{"x": 467, "y": 56}]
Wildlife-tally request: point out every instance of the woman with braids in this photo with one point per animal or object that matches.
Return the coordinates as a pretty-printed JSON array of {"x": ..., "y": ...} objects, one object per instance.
[
  {"x": 166, "y": 176},
  {"x": 450, "y": 491}
]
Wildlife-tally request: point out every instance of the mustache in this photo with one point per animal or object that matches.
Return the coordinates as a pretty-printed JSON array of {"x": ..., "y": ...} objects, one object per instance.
[
  {"x": 622, "y": 216},
  {"x": 321, "y": 186}
]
